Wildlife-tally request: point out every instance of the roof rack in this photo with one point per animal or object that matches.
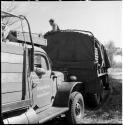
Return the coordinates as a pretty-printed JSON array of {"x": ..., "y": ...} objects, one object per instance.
[{"x": 84, "y": 31}]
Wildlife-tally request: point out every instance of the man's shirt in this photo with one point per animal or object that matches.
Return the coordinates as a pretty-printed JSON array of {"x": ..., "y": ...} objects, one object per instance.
[{"x": 55, "y": 27}]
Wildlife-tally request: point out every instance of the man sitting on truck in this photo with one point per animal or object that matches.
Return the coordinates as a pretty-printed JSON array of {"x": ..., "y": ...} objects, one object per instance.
[{"x": 55, "y": 27}]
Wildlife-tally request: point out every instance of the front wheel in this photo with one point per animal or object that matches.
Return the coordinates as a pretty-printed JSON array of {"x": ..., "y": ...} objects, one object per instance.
[{"x": 76, "y": 111}]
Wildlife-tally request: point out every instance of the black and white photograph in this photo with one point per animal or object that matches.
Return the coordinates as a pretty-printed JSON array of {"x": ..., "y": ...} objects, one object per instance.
[{"x": 61, "y": 62}]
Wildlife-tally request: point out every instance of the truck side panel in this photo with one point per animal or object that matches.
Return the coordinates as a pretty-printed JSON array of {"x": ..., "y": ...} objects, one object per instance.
[
  {"x": 11, "y": 72},
  {"x": 10, "y": 87}
]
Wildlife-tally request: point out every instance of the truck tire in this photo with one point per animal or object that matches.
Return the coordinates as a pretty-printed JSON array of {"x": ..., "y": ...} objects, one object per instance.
[{"x": 76, "y": 111}]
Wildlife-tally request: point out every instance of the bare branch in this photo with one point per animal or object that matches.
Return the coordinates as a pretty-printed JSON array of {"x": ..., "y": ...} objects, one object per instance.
[
  {"x": 10, "y": 7},
  {"x": 11, "y": 23}
]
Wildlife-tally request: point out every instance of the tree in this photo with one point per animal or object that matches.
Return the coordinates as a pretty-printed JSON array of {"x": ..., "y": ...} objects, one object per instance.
[
  {"x": 9, "y": 7},
  {"x": 118, "y": 51},
  {"x": 13, "y": 8},
  {"x": 111, "y": 49}
]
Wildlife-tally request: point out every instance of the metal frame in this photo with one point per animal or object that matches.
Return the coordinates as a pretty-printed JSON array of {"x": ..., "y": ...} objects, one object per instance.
[{"x": 23, "y": 18}]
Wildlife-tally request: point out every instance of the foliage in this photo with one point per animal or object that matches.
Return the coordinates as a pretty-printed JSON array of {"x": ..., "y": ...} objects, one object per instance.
[
  {"x": 9, "y": 7},
  {"x": 111, "y": 51}
]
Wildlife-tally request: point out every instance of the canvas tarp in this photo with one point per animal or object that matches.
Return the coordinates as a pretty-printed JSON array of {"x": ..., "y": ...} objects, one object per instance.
[
  {"x": 74, "y": 52},
  {"x": 71, "y": 49}
]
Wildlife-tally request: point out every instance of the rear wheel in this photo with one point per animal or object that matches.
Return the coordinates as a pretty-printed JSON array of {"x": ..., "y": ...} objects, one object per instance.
[{"x": 76, "y": 112}]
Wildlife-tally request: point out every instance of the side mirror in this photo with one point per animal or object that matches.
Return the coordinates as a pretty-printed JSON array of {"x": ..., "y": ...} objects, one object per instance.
[
  {"x": 53, "y": 75},
  {"x": 40, "y": 71}
]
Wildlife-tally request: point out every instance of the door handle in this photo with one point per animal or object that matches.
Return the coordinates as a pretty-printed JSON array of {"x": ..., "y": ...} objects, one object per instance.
[
  {"x": 53, "y": 77},
  {"x": 34, "y": 85}
]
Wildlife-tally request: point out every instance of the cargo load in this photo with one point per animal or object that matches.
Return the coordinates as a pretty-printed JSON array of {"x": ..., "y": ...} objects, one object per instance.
[
  {"x": 78, "y": 53},
  {"x": 75, "y": 49}
]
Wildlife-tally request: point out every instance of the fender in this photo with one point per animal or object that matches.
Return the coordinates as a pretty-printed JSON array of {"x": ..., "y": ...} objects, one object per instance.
[{"x": 64, "y": 91}]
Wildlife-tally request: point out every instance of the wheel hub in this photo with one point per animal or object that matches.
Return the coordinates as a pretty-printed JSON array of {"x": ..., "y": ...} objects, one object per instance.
[{"x": 78, "y": 109}]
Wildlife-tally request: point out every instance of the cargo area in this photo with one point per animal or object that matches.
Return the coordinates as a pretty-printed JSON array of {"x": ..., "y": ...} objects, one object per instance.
[
  {"x": 80, "y": 54},
  {"x": 71, "y": 49}
]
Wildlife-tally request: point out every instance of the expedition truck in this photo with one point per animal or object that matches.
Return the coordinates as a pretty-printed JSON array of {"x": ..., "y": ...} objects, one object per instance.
[
  {"x": 31, "y": 92},
  {"x": 79, "y": 55}
]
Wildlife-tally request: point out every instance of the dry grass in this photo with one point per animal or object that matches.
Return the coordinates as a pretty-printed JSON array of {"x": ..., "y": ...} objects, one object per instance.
[{"x": 111, "y": 112}]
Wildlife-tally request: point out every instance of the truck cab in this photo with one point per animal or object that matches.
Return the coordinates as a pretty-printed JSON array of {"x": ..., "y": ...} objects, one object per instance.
[
  {"x": 31, "y": 91},
  {"x": 45, "y": 79}
]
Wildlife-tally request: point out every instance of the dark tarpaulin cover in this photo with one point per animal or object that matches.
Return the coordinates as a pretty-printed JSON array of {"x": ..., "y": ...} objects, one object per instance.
[
  {"x": 69, "y": 47},
  {"x": 72, "y": 49}
]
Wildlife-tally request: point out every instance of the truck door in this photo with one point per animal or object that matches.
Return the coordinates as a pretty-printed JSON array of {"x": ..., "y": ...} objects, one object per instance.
[{"x": 42, "y": 90}]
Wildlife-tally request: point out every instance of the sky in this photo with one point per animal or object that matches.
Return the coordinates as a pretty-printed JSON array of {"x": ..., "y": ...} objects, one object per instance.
[{"x": 102, "y": 18}]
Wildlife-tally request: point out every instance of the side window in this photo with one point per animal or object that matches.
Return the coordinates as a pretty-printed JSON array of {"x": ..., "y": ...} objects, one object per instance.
[
  {"x": 44, "y": 63},
  {"x": 41, "y": 61},
  {"x": 37, "y": 61}
]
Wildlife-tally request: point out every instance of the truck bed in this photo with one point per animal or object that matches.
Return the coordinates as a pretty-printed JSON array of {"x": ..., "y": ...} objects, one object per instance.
[{"x": 75, "y": 49}]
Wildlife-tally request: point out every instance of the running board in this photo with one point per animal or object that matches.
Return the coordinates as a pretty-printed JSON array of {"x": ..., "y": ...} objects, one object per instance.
[{"x": 51, "y": 113}]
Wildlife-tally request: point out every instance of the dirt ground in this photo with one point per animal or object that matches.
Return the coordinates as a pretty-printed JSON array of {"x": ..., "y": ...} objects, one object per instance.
[{"x": 111, "y": 111}]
